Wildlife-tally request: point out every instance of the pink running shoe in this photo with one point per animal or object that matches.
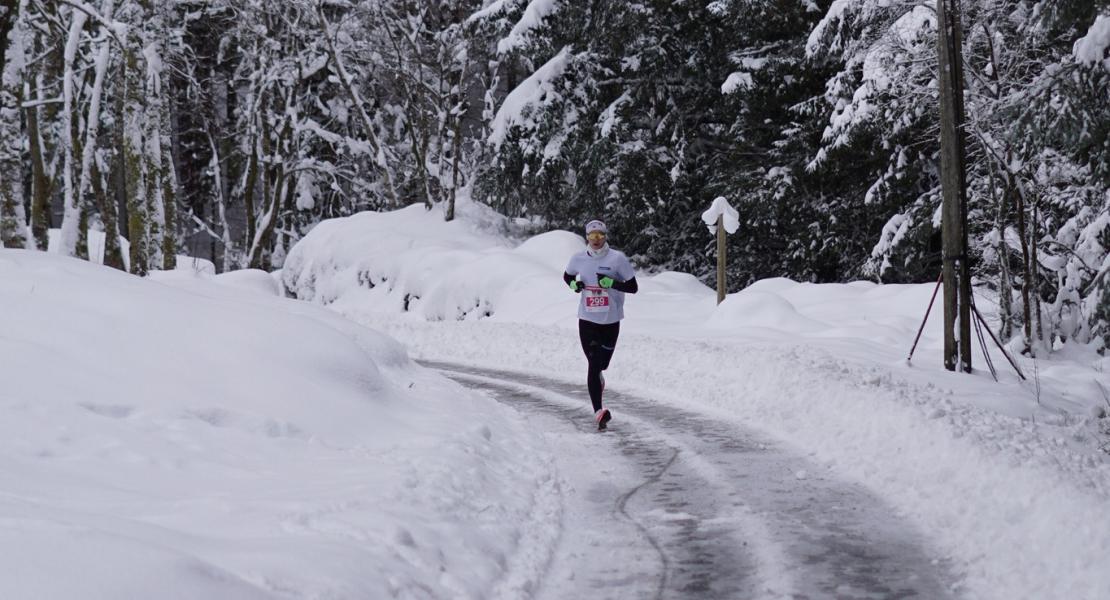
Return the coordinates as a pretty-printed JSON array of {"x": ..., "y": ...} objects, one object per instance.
[{"x": 603, "y": 416}]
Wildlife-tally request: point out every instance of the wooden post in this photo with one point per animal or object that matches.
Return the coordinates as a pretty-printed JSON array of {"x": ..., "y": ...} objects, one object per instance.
[
  {"x": 714, "y": 220},
  {"x": 956, "y": 272},
  {"x": 722, "y": 250}
]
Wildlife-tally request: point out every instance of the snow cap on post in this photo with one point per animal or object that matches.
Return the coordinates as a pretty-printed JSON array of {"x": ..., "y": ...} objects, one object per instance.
[
  {"x": 596, "y": 225},
  {"x": 720, "y": 208}
]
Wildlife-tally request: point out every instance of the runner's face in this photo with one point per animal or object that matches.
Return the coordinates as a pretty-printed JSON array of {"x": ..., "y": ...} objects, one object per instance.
[{"x": 596, "y": 239}]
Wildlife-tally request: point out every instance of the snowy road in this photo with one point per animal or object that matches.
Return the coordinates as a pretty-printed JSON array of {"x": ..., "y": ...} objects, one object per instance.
[{"x": 671, "y": 504}]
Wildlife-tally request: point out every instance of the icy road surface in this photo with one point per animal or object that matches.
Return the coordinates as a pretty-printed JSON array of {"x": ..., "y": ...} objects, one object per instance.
[{"x": 670, "y": 504}]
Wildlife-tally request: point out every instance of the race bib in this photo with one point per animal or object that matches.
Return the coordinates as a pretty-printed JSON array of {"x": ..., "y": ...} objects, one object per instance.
[{"x": 596, "y": 299}]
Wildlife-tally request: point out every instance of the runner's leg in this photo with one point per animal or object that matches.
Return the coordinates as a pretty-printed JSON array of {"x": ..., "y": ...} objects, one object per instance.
[
  {"x": 589, "y": 335},
  {"x": 607, "y": 345},
  {"x": 608, "y": 342},
  {"x": 598, "y": 342}
]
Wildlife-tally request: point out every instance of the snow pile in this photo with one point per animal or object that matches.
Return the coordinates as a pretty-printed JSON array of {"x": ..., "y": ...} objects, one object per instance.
[
  {"x": 759, "y": 309},
  {"x": 412, "y": 261},
  {"x": 988, "y": 469},
  {"x": 248, "y": 279},
  {"x": 183, "y": 439}
]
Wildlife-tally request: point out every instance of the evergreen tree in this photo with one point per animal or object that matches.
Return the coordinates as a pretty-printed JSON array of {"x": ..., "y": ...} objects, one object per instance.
[{"x": 234, "y": 126}]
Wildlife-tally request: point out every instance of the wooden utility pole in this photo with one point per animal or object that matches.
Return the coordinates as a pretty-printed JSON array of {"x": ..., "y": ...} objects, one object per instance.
[
  {"x": 957, "y": 272},
  {"x": 722, "y": 259}
]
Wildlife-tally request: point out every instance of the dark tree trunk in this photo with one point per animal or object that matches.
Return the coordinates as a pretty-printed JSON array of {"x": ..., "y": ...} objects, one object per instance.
[
  {"x": 106, "y": 206},
  {"x": 40, "y": 182}
]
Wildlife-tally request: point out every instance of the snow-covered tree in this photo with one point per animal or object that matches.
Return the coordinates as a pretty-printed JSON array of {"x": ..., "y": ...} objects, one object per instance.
[
  {"x": 641, "y": 113},
  {"x": 610, "y": 109},
  {"x": 234, "y": 126},
  {"x": 1036, "y": 122},
  {"x": 14, "y": 232}
]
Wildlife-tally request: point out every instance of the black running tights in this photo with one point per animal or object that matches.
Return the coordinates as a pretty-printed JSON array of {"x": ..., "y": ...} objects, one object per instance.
[{"x": 598, "y": 342}]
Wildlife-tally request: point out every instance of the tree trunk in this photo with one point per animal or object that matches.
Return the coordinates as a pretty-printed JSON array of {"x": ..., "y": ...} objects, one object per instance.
[
  {"x": 152, "y": 167},
  {"x": 449, "y": 213},
  {"x": 116, "y": 200},
  {"x": 266, "y": 207},
  {"x": 113, "y": 254},
  {"x": 262, "y": 245},
  {"x": 161, "y": 152},
  {"x": 264, "y": 235},
  {"x": 81, "y": 249},
  {"x": 460, "y": 109},
  {"x": 14, "y": 232},
  {"x": 135, "y": 167},
  {"x": 420, "y": 157},
  {"x": 71, "y": 216},
  {"x": 248, "y": 191},
  {"x": 288, "y": 207},
  {"x": 43, "y": 182},
  {"x": 40, "y": 181},
  {"x": 1005, "y": 281},
  {"x": 169, "y": 197},
  {"x": 89, "y": 173},
  {"x": 1039, "y": 336},
  {"x": 221, "y": 204},
  {"x": 1027, "y": 267}
]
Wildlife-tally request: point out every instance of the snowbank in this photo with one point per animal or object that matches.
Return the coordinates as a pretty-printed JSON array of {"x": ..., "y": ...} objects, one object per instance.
[
  {"x": 183, "y": 439},
  {"x": 412, "y": 261}
]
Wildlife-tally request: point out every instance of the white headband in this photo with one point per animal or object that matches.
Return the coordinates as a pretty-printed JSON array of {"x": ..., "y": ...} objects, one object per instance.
[{"x": 595, "y": 225}]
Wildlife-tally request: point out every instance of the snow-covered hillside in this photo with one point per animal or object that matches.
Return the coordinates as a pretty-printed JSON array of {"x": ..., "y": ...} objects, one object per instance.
[{"x": 180, "y": 438}]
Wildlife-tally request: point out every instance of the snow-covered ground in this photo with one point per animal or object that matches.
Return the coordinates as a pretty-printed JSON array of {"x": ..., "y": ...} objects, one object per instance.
[
  {"x": 199, "y": 436},
  {"x": 183, "y": 438},
  {"x": 1006, "y": 477}
]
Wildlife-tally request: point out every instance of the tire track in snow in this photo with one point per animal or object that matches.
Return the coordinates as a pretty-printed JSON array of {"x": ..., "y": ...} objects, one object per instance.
[
  {"x": 570, "y": 418},
  {"x": 736, "y": 517},
  {"x": 622, "y": 506},
  {"x": 646, "y": 558}
]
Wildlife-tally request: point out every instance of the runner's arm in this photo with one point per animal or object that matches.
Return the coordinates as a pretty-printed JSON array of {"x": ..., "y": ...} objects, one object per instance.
[
  {"x": 570, "y": 280},
  {"x": 628, "y": 287},
  {"x": 625, "y": 270}
]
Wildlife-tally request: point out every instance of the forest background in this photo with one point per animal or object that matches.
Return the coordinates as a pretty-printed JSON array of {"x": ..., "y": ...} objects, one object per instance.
[{"x": 227, "y": 129}]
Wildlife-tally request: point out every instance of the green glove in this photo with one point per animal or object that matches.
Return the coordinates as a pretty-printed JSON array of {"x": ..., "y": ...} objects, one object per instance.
[
  {"x": 605, "y": 282},
  {"x": 575, "y": 286}
]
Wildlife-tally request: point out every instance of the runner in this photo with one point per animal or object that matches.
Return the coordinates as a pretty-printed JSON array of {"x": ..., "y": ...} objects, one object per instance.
[{"x": 603, "y": 276}]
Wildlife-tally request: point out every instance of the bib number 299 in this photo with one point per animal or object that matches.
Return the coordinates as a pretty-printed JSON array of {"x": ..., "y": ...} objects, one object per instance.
[{"x": 596, "y": 301}]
